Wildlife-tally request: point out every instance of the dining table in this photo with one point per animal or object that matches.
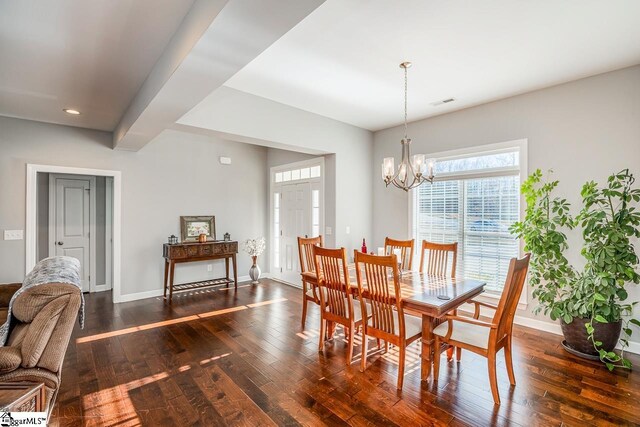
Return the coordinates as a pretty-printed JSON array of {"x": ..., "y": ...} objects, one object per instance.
[{"x": 430, "y": 297}]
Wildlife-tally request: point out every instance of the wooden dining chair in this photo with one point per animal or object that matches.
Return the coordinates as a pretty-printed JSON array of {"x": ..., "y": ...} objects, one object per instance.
[
  {"x": 336, "y": 297},
  {"x": 380, "y": 298},
  {"x": 406, "y": 251},
  {"x": 308, "y": 272},
  {"x": 485, "y": 338},
  {"x": 437, "y": 256}
]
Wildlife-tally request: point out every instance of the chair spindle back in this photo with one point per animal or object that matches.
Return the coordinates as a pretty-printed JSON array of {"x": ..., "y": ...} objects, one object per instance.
[
  {"x": 305, "y": 250},
  {"x": 438, "y": 258},
  {"x": 406, "y": 251},
  {"x": 378, "y": 284}
]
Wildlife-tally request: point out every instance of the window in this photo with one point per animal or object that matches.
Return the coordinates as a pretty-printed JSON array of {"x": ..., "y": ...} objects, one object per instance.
[
  {"x": 474, "y": 201},
  {"x": 297, "y": 174}
]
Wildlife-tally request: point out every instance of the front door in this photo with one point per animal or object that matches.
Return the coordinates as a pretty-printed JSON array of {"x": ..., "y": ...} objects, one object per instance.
[
  {"x": 296, "y": 221},
  {"x": 71, "y": 211}
]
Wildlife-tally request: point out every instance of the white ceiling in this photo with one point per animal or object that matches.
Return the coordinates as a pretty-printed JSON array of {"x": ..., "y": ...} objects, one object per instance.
[
  {"x": 92, "y": 56},
  {"x": 342, "y": 60}
]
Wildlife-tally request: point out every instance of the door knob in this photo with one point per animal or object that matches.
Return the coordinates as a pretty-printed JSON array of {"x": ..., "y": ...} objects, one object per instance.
[{"x": 60, "y": 243}]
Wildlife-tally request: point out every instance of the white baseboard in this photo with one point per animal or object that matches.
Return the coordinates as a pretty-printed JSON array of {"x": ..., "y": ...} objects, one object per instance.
[
  {"x": 101, "y": 288},
  {"x": 141, "y": 295},
  {"x": 540, "y": 325},
  {"x": 158, "y": 292}
]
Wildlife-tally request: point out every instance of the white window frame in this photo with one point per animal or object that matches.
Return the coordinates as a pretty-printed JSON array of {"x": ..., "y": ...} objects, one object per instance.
[
  {"x": 521, "y": 145},
  {"x": 274, "y": 187}
]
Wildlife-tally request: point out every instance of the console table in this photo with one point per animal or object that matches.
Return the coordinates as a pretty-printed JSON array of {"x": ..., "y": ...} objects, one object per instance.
[{"x": 193, "y": 252}]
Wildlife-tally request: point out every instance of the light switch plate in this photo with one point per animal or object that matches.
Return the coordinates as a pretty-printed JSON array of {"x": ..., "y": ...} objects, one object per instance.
[
  {"x": 348, "y": 230},
  {"x": 13, "y": 234},
  {"x": 225, "y": 160},
  {"x": 328, "y": 231}
]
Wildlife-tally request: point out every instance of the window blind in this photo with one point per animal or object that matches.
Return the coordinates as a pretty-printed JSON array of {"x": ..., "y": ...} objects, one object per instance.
[{"x": 476, "y": 213}]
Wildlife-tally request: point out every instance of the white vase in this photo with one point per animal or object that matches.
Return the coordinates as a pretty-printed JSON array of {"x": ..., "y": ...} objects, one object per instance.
[{"x": 254, "y": 271}]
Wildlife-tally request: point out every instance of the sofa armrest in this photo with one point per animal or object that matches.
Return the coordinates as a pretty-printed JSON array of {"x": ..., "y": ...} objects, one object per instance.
[{"x": 6, "y": 292}]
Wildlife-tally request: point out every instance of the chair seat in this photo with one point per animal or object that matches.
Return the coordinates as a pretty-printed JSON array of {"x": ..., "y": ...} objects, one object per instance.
[
  {"x": 357, "y": 309},
  {"x": 475, "y": 335},
  {"x": 412, "y": 324}
]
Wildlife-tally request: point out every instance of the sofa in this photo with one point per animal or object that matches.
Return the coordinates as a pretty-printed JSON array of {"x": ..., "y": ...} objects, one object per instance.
[{"x": 44, "y": 317}]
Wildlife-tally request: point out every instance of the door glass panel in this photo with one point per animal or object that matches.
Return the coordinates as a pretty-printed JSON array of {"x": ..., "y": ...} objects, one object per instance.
[{"x": 276, "y": 230}]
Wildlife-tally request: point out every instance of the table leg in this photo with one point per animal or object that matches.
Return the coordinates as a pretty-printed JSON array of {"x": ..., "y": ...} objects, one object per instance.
[
  {"x": 172, "y": 269},
  {"x": 226, "y": 268},
  {"x": 427, "y": 346},
  {"x": 166, "y": 276},
  {"x": 235, "y": 271}
]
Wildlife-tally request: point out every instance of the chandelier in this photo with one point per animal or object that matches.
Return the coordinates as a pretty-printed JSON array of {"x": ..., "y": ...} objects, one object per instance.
[{"x": 412, "y": 170}]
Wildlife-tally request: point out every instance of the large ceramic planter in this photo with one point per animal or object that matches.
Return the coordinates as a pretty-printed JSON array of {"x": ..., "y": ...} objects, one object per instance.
[{"x": 576, "y": 338}]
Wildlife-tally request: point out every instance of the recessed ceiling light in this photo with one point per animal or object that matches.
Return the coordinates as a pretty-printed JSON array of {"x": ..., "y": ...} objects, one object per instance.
[{"x": 71, "y": 111}]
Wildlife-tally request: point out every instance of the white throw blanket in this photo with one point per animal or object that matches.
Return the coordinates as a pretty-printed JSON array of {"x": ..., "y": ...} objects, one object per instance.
[{"x": 59, "y": 269}]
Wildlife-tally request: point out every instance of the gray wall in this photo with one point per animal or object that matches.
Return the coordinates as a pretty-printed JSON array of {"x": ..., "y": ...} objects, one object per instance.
[
  {"x": 583, "y": 130},
  {"x": 260, "y": 120},
  {"x": 177, "y": 174}
]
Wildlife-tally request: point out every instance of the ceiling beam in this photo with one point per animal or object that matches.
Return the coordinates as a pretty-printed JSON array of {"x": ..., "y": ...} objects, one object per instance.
[{"x": 215, "y": 40}]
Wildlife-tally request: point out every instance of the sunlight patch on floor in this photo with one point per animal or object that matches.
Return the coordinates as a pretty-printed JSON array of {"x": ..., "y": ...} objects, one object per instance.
[{"x": 154, "y": 325}]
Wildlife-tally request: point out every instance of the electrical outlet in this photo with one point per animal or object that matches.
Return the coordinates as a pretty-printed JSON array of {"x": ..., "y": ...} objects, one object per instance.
[
  {"x": 209, "y": 267},
  {"x": 328, "y": 231},
  {"x": 13, "y": 235}
]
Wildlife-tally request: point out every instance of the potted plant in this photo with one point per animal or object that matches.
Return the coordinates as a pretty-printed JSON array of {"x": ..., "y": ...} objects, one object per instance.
[{"x": 591, "y": 304}]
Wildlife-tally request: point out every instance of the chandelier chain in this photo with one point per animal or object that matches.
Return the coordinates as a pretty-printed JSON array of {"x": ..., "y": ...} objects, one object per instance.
[{"x": 405, "y": 102}]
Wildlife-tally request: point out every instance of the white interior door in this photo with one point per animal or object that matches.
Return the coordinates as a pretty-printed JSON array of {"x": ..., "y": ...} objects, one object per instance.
[
  {"x": 72, "y": 222},
  {"x": 295, "y": 214}
]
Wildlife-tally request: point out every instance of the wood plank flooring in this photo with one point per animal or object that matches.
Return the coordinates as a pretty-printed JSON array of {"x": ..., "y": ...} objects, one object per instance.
[{"x": 226, "y": 358}]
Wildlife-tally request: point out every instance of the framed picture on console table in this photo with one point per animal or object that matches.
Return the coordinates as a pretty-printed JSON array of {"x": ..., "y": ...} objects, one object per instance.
[{"x": 191, "y": 227}]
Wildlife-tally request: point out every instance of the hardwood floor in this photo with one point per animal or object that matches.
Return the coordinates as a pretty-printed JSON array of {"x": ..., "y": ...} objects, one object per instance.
[{"x": 226, "y": 358}]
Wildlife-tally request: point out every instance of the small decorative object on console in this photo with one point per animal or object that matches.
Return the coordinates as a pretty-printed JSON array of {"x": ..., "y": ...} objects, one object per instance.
[
  {"x": 173, "y": 240},
  {"x": 364, "y": 247},
  {"x": 202, "y": 238},
  {"x": 255, "y": 248},
  {"x": 227, "y": 237}
]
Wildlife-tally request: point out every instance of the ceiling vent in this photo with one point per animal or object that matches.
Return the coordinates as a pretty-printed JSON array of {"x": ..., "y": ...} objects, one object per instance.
[{"x": 444, "y": 101}]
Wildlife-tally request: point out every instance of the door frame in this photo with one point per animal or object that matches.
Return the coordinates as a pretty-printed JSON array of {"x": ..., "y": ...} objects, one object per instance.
[
  {"x": 31, "y": 216},
  {"x": 92, "y": 220},
  {"x": 108, "y": 235},
  {"x": 316, "y": 161}
]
